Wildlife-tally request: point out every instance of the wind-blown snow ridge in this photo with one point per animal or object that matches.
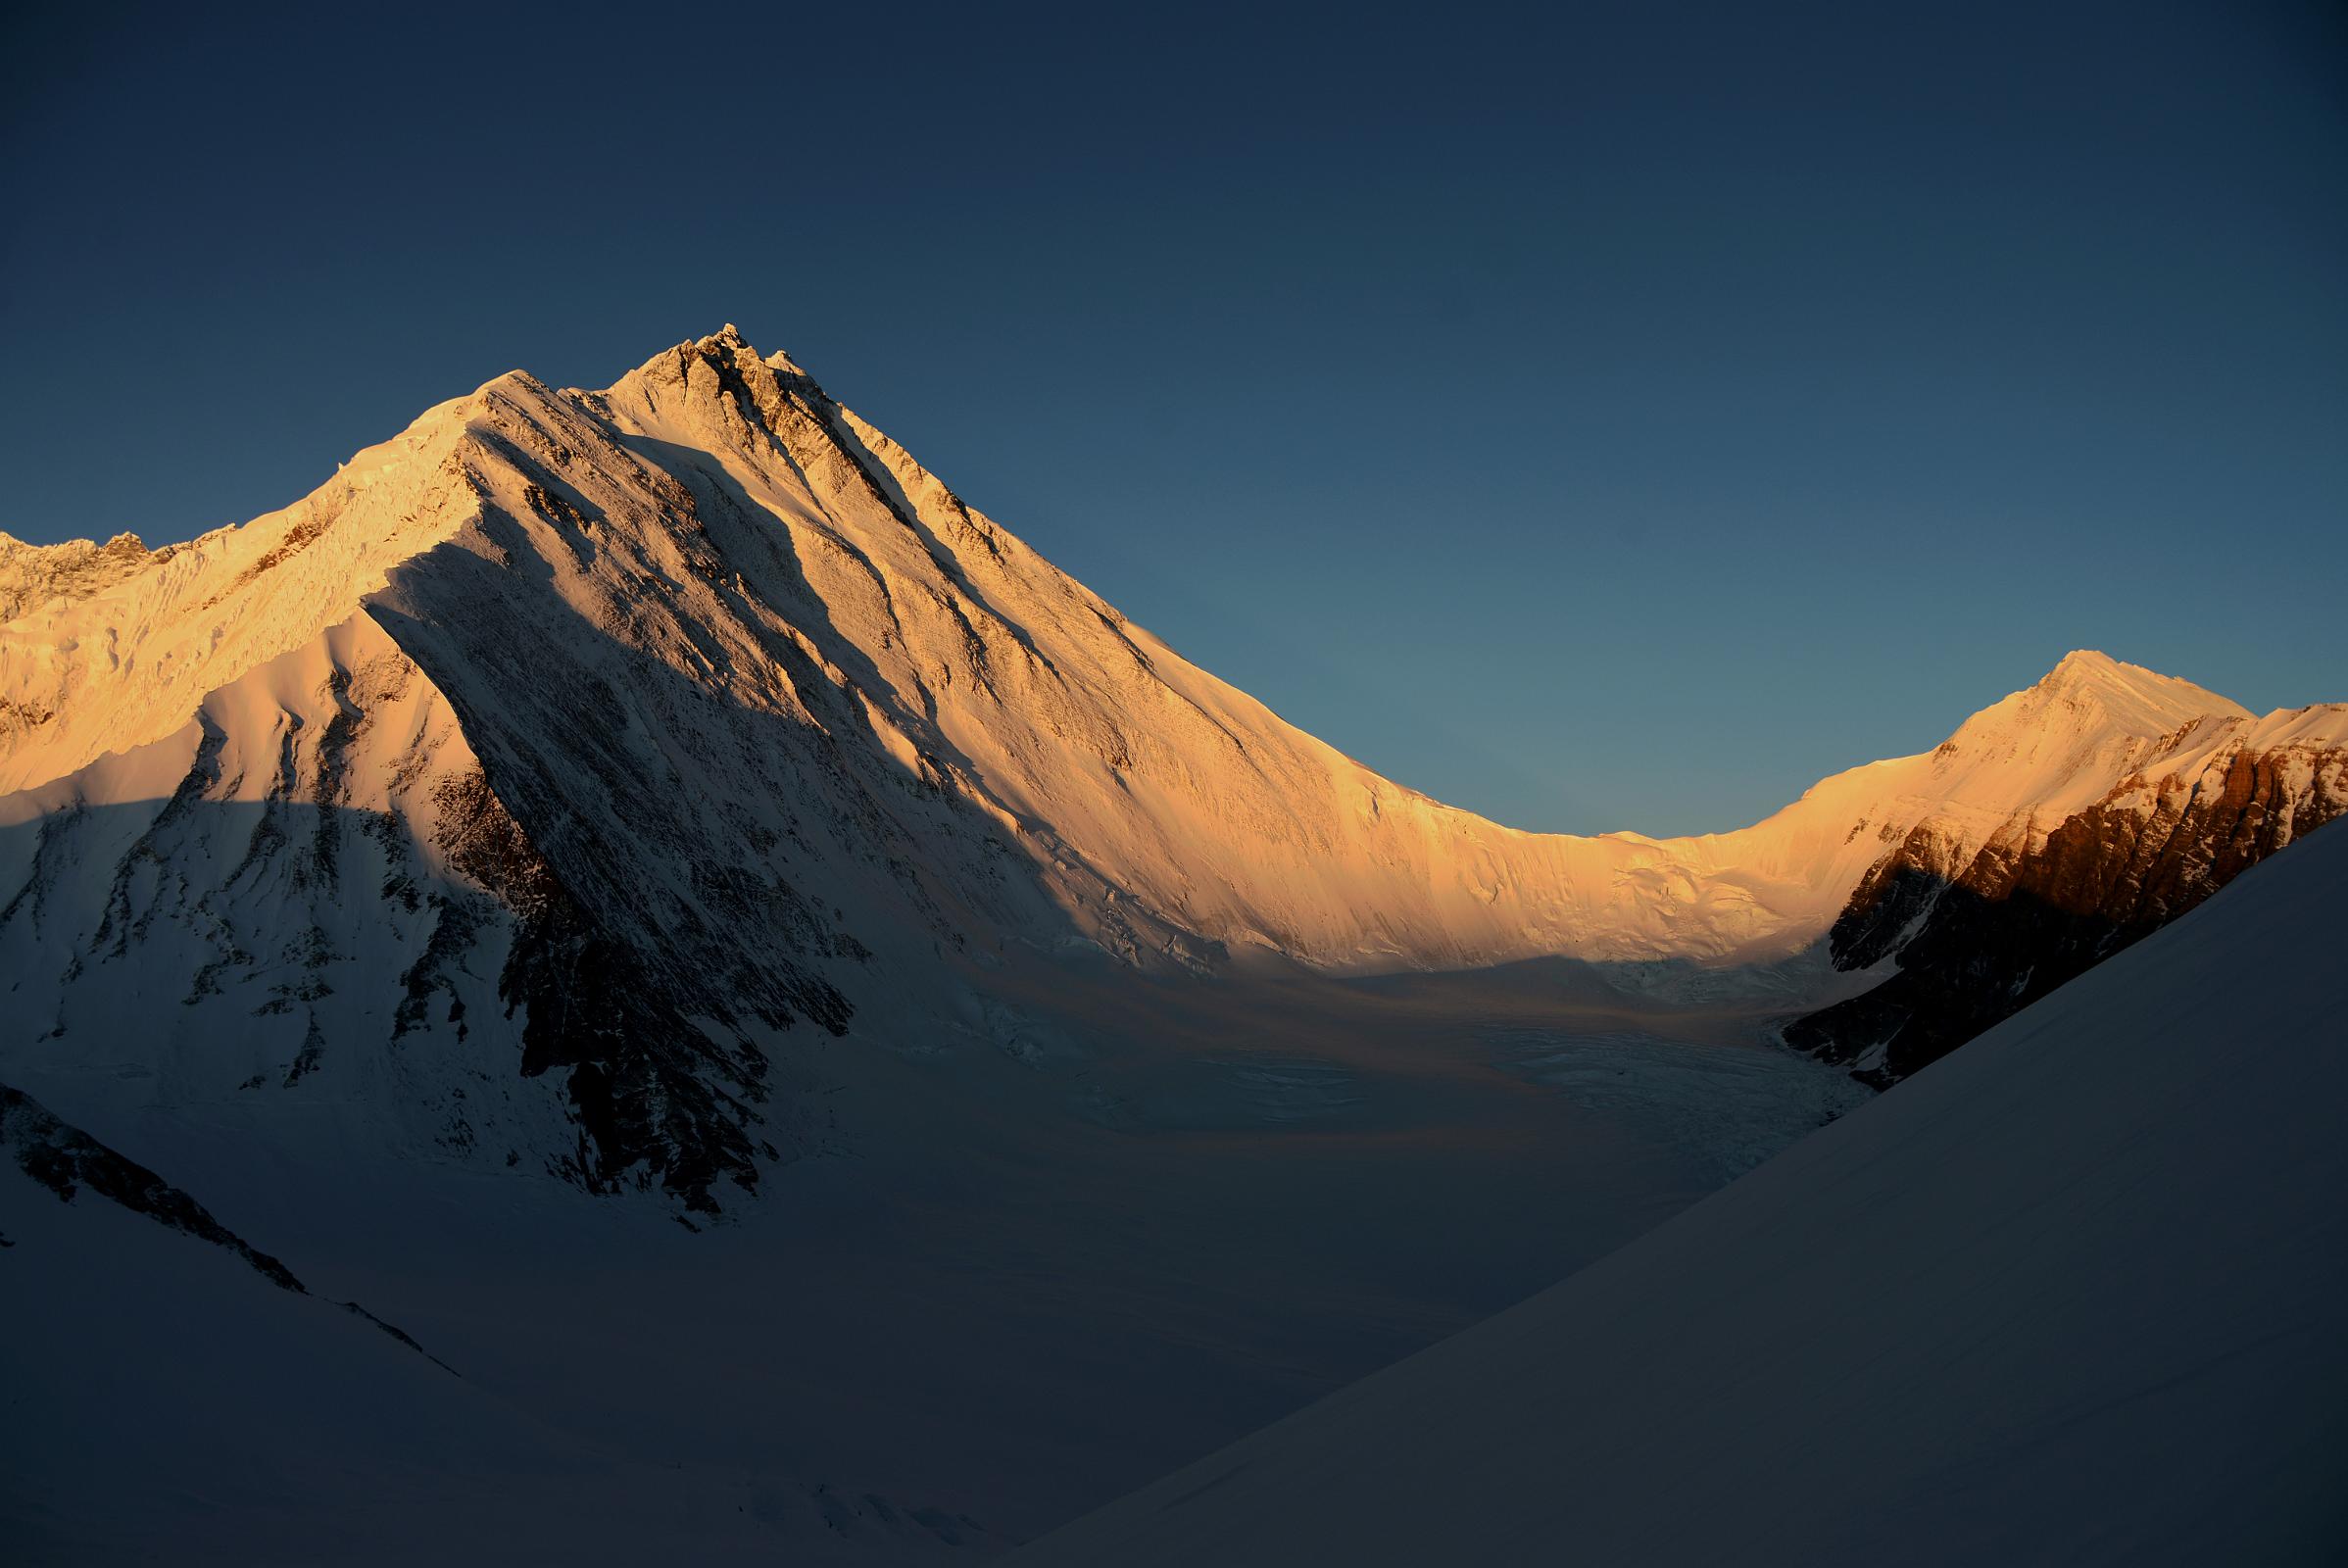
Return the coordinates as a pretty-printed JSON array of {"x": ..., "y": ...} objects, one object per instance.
[{"x": 108, "y": 662}]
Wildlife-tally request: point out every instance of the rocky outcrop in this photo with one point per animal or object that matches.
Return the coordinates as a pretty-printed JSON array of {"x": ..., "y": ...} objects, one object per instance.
[
  {"x": 1976, "y": 941},
  {"x": 657, "y": 1103}
]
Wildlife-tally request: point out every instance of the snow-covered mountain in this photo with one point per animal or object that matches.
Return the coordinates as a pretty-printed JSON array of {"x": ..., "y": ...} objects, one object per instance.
[
  {"x": 674, "y": 790},
  {"x": 2073, "y": 1296},
  {"x": 1979, "y": 932},
  {"x": 519, "y": 791}
]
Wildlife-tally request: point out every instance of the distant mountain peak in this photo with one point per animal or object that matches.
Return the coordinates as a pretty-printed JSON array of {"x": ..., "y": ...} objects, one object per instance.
[
  {"x": 2132, "y": 692},
  {"x": 2088, "y": 665},
  {"x": 728, "y": 343}
]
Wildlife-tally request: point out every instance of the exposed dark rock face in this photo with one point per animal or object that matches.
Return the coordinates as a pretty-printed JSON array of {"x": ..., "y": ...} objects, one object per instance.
[
  {"x": 657, "y": 1101},
  {"x": 1979, "y": 942}
]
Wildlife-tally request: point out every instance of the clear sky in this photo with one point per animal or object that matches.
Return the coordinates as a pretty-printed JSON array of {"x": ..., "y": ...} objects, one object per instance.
[{"x": 1598, "y": 416}]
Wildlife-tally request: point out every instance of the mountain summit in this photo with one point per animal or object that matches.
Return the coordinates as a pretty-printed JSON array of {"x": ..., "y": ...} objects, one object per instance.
[{"x": 605, "y": 737}]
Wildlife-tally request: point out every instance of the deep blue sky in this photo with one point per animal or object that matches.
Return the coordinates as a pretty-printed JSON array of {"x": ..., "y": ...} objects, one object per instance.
[{"x": 1596, "y": 416}]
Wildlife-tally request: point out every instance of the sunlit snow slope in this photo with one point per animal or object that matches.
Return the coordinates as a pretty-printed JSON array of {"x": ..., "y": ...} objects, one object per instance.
[{"x": 2073, "y": 1296}]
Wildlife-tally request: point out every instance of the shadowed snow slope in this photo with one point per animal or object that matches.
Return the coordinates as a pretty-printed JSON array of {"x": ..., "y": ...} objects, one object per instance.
[
  {"x": 2071, "y": 1295},
  {"x": 176, "y": 1397}
]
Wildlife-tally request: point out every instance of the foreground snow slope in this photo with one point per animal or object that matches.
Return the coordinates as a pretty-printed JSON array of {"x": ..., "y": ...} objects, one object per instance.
[
  {"x": 2075, "y": 1294},
  {"x": 176, "y": 1397}
]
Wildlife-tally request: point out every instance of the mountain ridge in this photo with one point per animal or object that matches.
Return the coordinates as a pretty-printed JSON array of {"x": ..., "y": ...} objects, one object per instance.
[
  {"x": 667, "y": 719},
  {"x": 430, "y": 424},
  {"x": 729, "y": 387}
]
